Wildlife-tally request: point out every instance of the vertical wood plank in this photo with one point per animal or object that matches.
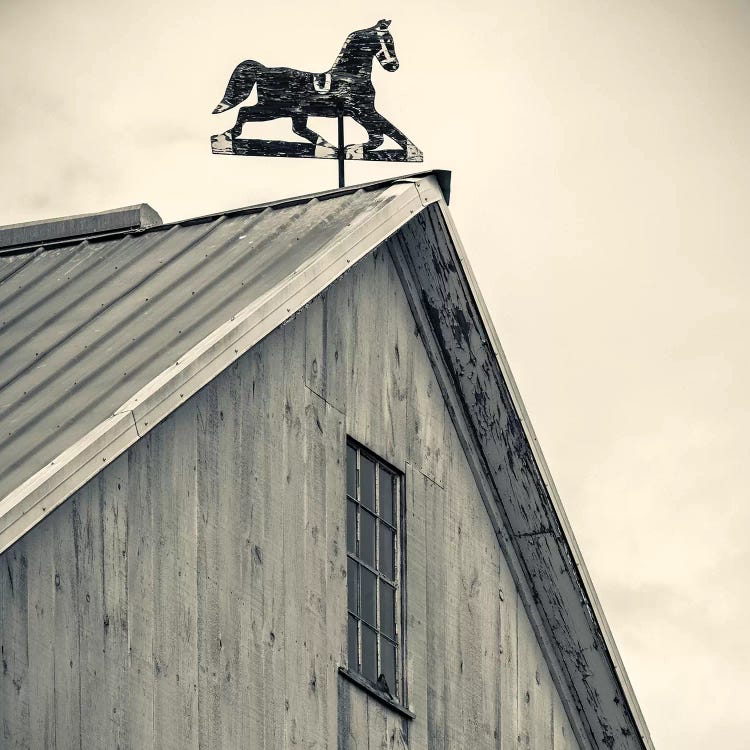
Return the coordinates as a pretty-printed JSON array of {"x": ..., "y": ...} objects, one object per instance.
[
  {"x": 41, "y": 629},
  {"x": 534, "y": 689},
  {"x": 309, "y": 701},
  {"x": 563, "y": 737},
  {"x": 328, "y": 343},
  {"x": 222, "y": 470},
  {"x": 211, "y": 638},
  {"x": 95, "y": 729},
  {"x": 481, "y": 564},
  {"x": 353, "y": 723},
  {"x": 379, "y": 721},
  {"x": 420, "y": 492},
  {"x": 376, "y": 356},
  {"x": 278, "y": 393},
  {"x": 247, "y": 720},
  {"x": 67, "y": 655},
  {"x": 254, "y": 373},
  {"x": 14, "y": 647},
  {"x": 508, "y": 661},
  {"x": 333, "y": 443},
  {"x": 174, "y": 527},
  {"x": 113, "y": 486},
  {"x": 427, "y": 419},
  {"x": 456, "y": 683},
  {"x": 438, "y": 606},
  {"x": 300, "y": 623},
  {"x": 142, "y": 496},
  {"x": 275, "y": 469}
]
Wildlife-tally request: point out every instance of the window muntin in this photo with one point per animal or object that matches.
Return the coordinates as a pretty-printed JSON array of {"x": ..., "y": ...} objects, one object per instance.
[{"x": 372, "y": 515}]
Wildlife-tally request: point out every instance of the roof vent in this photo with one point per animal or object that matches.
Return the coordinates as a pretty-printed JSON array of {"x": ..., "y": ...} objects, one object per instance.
[{"x": 34, "y": 233}]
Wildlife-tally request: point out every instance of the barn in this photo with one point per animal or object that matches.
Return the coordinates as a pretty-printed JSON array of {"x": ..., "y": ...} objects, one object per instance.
[{"x": 266, "y": 481}]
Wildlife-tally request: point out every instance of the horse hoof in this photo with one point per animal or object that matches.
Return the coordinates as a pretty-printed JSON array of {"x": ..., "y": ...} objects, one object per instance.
[
  {"x": 325, "y": 150},
  {"x": 413, "y": 153},
  {"x": 355, "y": 151},
  {"x": 222, "y": 143}
]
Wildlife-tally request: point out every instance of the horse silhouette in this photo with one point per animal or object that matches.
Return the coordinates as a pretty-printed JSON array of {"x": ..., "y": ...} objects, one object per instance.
[{"x": 344, "y": 90}]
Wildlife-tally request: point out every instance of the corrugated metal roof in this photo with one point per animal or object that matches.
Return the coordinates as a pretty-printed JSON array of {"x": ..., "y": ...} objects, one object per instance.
[{"x": 84, "y": 326}]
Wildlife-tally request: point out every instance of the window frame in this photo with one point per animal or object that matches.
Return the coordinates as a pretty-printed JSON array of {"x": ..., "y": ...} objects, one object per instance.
[{"x": 354, "y": 672}]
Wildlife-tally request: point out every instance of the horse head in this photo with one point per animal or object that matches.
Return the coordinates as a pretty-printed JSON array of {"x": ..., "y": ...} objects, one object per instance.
[
  {"x": 361, "y": 46},
  {"x": 386, "y": 55}
]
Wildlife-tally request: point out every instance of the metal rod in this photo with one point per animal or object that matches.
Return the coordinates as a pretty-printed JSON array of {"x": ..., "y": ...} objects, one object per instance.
[{"x": 341, "y": 150}]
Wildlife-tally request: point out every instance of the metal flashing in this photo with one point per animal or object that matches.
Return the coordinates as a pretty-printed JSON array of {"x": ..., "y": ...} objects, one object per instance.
[
  {"x": 39, "y": 495},
  {"x": 16, "y": 237}
]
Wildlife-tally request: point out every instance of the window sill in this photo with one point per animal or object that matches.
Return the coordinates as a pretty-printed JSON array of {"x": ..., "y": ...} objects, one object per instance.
[{"x": 360, "y": 681}]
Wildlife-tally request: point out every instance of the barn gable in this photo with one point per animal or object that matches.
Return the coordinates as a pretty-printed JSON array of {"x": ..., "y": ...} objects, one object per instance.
[{"x": 296, "y": 252}]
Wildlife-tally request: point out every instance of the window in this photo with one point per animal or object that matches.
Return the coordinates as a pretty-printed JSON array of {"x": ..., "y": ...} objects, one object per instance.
[{"x": 373, "y": 560}]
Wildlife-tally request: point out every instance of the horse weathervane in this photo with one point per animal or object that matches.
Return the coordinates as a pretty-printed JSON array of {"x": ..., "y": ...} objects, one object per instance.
[{"x": 345, "y": 90}]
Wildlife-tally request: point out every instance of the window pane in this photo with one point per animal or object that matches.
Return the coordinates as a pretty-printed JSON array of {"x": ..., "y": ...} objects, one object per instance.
[
  {"x": 367, "y": 482},
  {"x": 369, "y": 653},
  {"x": 388, "y": 664},
  {"x": 386, "y": 566},
  {"x": 368, "y": 603},
  {"x": 353, "y": 645},
  {"x": 388, "y": 609},
  {"x": 386, "y": 496},
  {"x": 351, "y": 471},
  {"x": 351, "y": 527},
  {"x": 367, "y": 537},
  {"x": 351, "y": 584}
]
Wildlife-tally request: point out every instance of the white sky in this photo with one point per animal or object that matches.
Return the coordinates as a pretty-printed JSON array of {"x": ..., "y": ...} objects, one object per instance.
[{"x": 601, "y": 182}]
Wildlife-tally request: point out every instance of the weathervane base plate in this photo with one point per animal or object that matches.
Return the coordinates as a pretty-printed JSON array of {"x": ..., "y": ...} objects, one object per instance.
[{"x": 223, "y": 143}]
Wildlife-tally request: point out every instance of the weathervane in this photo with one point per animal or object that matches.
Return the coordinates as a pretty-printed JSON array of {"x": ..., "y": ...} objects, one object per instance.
[{"x": 345, "y": 90}]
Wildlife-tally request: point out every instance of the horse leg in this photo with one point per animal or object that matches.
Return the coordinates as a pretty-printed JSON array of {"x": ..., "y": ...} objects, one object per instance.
[
  {"x": 377, "y": 126},
  {"x": 251, "y": 114},
  {"x": 375, "y": 140},
  {"x": 299, "y": 126}
]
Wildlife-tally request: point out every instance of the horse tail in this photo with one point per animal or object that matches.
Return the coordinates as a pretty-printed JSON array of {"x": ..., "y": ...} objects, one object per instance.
[{"x": 240, "y": 85}]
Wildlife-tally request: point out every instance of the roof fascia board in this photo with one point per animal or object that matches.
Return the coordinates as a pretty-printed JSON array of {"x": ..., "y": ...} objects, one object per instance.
[
  {"x": 523, "y": 495},
  {"x": 487, "y": 492},
  {"x": 549, "y": 483},
  {"x": 32, "y": 501}
]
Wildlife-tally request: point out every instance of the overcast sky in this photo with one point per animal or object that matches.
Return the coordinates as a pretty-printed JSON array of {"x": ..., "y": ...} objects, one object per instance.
[{"x": 601, "y": 183}]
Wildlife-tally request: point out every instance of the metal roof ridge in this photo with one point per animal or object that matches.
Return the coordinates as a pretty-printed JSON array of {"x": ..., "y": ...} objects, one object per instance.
[{"x": 443, "y": 177}]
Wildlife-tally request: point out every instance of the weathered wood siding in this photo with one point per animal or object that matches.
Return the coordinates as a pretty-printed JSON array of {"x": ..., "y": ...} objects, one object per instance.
[{"x": 193, "y": 595}]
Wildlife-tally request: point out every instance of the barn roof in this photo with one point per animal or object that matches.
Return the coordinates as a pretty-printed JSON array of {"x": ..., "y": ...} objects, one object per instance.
[{"x": 104, "y": 335}]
